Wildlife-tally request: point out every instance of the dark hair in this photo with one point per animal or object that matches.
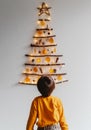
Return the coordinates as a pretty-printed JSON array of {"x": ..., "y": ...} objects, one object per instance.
[{"x": 45, "y": 85}]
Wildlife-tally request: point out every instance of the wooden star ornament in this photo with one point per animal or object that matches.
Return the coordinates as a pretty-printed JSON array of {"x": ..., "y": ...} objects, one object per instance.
[{"x": 44, "y": 9}]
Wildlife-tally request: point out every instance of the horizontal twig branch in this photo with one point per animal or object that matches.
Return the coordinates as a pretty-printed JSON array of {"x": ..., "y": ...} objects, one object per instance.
[
  {"x": 44, "y": 36},
  {"x": 43, "y": 19},
  {"x": 29, "y": 55},
  {"x": 34, "y": 45},
  {"x": 44, "y": 29},
  {"x": 44, "y": 64},
  {"x": 25, "y": 73},
  {"x": 58, "y": 82}
]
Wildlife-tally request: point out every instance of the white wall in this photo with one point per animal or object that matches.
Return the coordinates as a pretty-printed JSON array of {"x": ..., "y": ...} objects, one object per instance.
[{"x": 71, "y": 21}]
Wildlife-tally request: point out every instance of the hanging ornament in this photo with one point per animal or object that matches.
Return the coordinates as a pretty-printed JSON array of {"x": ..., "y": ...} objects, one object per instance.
[
  {"x": 39, "y": 32},
  {"x": 35, "y": 69},
  {"x": 55, "y": 70},
  {"x": 47, "y": 59},
  {"x": 39, "y": 52},
  {"x": 49, "y": 33},
  {"x": 42, "y": 23},
  {"x": 57, "y": 59},
  {"x": 38, "y": 60},
  {"x": 44, "y": 51},
  {"x": 51, "y": 40},
  {"x": 27, "y": 79},
  {"x": 40, "y": 41},
  {"x": 59, "y": 77},
  {"x": 27, "y": 70},
  {"x": 41, "y": 70},
  {"x": 51, "y": 71},
  {"x": 33, "y": 60}
]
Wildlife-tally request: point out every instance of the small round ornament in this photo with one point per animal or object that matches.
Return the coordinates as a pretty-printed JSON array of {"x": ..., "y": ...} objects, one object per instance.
[
  {"x": 33, "y": 60},
  {"x": 55, "y": 70},
  {"x": 47, "y": 59},
  {"x": 35, "y": 69},
  {"x": 59, "y": 77},
  {"x": 38, "y": 60},
  {"x": 51, "y": 40},
  {"x": 51, "y": 71},
  {"x": 27, "y": 70},
  {"x": 44, "y": 51},
  {"x": 39, "y": 52},
  {"x": 42, "y": 23},
  {"x": 27, "y": 79},
  {"x": 39, "y": 32}
]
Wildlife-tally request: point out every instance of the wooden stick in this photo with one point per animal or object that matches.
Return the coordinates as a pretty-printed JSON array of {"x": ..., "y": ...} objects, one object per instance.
[
  {"x": 62, "y": 81},
  {"x": 29, "y": 55},
  {"x": 44, "y": 64},
  {"x": 43, "y": 20},
  {"x": 44, "y": 36},
  {"x": 46, "y": 74},
  {"x": 34, "y": 45},
  {"x": 21, "y": 82},
  {"x": 44, "y": 29},
  {"x": 46, "y": 7}
]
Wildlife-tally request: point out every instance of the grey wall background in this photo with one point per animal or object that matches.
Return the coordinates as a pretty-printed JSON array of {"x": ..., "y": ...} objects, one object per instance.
[{"x": 71, "y": 21}]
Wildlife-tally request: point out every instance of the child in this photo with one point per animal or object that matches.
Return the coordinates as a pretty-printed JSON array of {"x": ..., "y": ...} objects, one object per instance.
[{"x": 46, "y": 109}]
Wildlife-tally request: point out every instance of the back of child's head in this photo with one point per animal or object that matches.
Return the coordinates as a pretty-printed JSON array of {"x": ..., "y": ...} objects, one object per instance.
[{"x": 45, "y": 85}]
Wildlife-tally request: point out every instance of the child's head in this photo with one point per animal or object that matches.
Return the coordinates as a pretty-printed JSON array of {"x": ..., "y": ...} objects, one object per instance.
[{"x": 45, "y": 85}]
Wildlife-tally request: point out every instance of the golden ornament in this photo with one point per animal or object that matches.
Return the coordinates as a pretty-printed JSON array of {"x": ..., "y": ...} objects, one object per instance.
[
  {"x": 59, "y": 77},
  {"x": 35, "y": 69},
  {"x": 51, "y": 40},
  {"x": 27, "y": 70},
  {"x": 27, "y": 79},
  {"x": 47, "y": 59},
  {"x": 38, "y": 60},
  {"x": 51, "y": 71},
  {"x": 44, "y": 51},
  {"x": 39, "y": 32},
  {"x": 42, "y": 23}
]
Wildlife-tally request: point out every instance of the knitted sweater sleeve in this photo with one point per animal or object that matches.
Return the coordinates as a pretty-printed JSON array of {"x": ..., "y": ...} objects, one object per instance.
[
  {"x": 32, "y": 116},
  {"x": 63, "y": 123}
]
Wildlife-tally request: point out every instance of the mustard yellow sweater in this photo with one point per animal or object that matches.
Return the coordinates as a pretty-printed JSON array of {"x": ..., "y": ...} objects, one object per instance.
[{"x": 46, "y": 111}]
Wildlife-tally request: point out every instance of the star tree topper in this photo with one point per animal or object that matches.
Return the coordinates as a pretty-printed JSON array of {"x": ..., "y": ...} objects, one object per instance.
[{"x": 44, "y": 9}]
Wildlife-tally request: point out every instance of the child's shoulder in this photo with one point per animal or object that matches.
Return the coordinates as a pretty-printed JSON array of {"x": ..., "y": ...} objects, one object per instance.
[
  {"x": 51, "y": 97},
  {"x": 56, "y": 98},
  {"x": 36, "y": 98}
]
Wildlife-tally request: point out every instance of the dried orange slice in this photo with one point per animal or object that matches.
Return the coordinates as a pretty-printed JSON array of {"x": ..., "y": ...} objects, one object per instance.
[
  {"x": 59, "y": 77},
  {"x": 27, "y": 79},
  {"x": 44, "y": 51},
  {"x": 47, "y": 59},
  {"x": 51, "y": 40},
  {"x": 51, "y": 71},
  {"x": 38, "y": 60},
  {"x": 42, "y": 23},
  {"x": 35, "y": 69},
  {"x": 27, "y": 70},
  {"x": 39, "y": 32}
]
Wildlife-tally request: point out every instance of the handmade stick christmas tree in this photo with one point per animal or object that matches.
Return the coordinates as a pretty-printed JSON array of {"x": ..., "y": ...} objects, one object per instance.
[{"x": 43, "y": 57}]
